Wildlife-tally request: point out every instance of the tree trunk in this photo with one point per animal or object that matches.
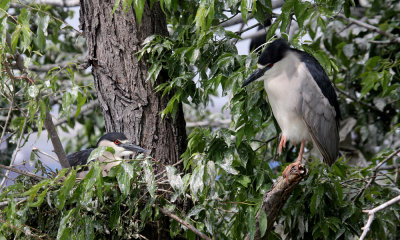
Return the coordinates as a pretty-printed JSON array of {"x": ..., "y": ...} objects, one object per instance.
[{"x": 128, "y": 102}]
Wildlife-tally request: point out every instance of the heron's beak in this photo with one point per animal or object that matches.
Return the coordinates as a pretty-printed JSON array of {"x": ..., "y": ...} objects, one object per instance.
[
  {"x": 256, "y": 75},
  {"x": 132, "y": 147}
]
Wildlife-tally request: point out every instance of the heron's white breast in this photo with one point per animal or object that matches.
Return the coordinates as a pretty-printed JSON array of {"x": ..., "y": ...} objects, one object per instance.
[{"x": 282, "y": 84}]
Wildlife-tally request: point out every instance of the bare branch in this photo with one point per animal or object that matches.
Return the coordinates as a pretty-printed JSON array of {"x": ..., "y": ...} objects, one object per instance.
[
  {"x": 357, "y": 100},
  {"x": 392, "y": 37},
  {"x": 274, "y": 199},
  {"x": 12, "y": 169},
  {"x": 75, "y": 62},
  {"x": 15, "y": 151},
  {"x": 58, "y": 148},
  {"x": 36, "y": 149},
  {"x": 7, "y": 121},
  {"x": 209, "y": 123},
  {"x": 85, "y": 108},
  {"x": 18, "y": 200},
  {"x": 239, "y": 19},
  {"x": 371, "y": 214},
  {"x": 186, "y": 224},
  {"x": 254, "y": 35},
  {"x": 374, "y": 173}
]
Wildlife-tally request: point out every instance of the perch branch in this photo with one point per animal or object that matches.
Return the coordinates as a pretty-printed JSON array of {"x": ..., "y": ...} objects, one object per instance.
[
  {"x": 274, "y": 199},
  {"x": 186, "y": 224},
  {"x": 371, "y": 214}
]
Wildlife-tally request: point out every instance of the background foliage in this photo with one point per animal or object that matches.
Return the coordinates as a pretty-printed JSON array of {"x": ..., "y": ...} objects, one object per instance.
[{"x": 226, "y": 169}]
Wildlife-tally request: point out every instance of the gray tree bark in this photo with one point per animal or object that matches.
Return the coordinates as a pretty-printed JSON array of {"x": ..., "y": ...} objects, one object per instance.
[{"x": 128, "y": 102}]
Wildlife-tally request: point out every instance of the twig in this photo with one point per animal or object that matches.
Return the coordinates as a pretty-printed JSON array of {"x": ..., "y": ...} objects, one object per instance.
[
  {"x": 162, "y": 172},
  {"x": 57, "y": 3},
  {"x": 19, "y": 200},
  {"x": 209, "y": 123},
  {"x": 14, "y": 156},
  {"x": 58, "y": 148},
  {"x": 371, "y": 214},
  {"x": 7, "y": 120},
  {"x": 239, "y": 19},
  {"x": 36, "y": 149},
  {"x": 357, "y": 100},
  {"x": 374, "y": 172},
  {"x": 27, "y": 233},
  {"x": 392, "y": 37},
  {"x": 45, "y": 68},
  {"x": 38, "y": 177},
  {"x": 265, "y": 143},
  {"x": 85, "y": 108},
  {"x": 186, "y": 224}
]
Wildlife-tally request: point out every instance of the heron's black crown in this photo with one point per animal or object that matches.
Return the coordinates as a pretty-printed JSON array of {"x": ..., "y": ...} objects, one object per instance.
[
  {"x": 274, "y": 52},
  {"x": 112, "y": 137}
]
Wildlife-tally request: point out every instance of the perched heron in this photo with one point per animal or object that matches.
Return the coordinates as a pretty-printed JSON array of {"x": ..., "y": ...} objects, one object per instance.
[
  {"x": 302, "y": 100},
  {"x": 118, "y": 141}
]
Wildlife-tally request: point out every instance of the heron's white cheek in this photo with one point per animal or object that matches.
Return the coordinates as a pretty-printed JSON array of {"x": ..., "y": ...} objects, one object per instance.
[{"x": 126, "y": 153}]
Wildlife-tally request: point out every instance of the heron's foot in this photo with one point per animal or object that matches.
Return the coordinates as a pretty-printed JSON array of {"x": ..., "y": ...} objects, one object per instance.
[
  {"x": 282, "y": 144},
  {"x": 286, "y": 172}
]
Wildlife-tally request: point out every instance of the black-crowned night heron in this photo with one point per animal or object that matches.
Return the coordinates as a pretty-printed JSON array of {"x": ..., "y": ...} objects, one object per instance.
[
  {"x": 118, "y": 141},
  {"x": 302, "y": 100}
]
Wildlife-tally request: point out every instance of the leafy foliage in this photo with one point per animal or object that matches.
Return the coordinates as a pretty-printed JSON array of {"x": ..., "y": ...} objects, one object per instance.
[{"x": 226, "y": 170}]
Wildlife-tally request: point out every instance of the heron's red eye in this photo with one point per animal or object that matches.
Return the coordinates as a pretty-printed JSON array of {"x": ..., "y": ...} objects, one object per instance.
[
  {"x": 116, "y": 142},
  {"x": 270, "y": 65}
]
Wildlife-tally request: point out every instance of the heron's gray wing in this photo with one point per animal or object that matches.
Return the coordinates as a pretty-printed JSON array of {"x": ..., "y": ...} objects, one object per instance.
[
  {"x": 79, "y": 158},
  {"x": 320, "y": 117}
]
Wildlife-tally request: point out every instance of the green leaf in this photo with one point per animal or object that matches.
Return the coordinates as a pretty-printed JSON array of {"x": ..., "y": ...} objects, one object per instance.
[
  {"x": 244, "y": 10},
  {"x": 244, "y": 180},
  {"x": 286, "y": 15},
  {"x": 98, "y": 152},
  {"x": 4, "y": 4},
  {"x": 15, "y": 36},
  {"x": 115, "y": 217},
  {"x": 300, "y": 11},
  {"x": 116, "y": 4},
  {"x": 124, "y": 178},
  {"x": 149, "y": 177},
  {"x": 40, "y": 198},
  {"x": 227, "y": 164},
  {"x": 263, "y": 222},
  {"x": 65, "y": 190},
  {"x": 62, "y": 233},
  {"x": 139, "y": 6},
  {"x": 200, "y": 19},
  {"x": 196, "y": 180},
  {"x": 251, "y": 222},
  {"x": 174, "y": 179}
]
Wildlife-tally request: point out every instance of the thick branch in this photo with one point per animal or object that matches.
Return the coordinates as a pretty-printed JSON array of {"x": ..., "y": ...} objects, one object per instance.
[
  {"x": 186, "y": 224},
  {"x": 371, "y": 214},
  {"x": 275, "y": 198},
  {"x": 58, "y": 148}
]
